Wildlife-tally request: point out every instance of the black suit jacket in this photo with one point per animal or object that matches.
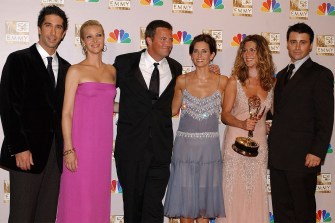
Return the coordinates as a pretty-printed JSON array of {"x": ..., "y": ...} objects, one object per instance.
[
  {"x": 139, "y": 119},
  {"x": 303, "y": 117},
  {"x": 30, "y": 108}
]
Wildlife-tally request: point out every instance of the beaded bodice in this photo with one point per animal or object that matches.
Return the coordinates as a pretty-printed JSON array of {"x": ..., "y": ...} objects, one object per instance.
[{"x": 199, "y": 117}]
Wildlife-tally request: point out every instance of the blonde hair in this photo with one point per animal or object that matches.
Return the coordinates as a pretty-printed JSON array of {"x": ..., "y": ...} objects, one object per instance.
[
  {"x": 85, "y": 25},
  {"x": 265, "y": 66}
]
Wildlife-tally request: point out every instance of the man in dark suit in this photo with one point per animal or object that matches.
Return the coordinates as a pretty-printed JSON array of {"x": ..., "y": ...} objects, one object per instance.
[
  {"x": 144, "y": 138},
  {"x": 301, "y": 129},
  {"x": 31, "y": 99}
]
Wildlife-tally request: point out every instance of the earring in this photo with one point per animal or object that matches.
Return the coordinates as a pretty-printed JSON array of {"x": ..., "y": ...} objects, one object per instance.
[
  {"x": 105, "y": 48},
  {"x": 84, "y": 49}
]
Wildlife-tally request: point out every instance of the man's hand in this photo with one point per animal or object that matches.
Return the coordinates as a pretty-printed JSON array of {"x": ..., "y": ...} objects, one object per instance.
[
  {"x": 312, "y": 160},
  {"x": 24, "y": 160},
  {"x": 214, "y": 68}
]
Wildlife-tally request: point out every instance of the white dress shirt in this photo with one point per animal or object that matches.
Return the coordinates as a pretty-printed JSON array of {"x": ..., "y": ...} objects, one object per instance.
[
  {"x": 298, "y": 63},
  {"x": 44, "y": 56},
  {"x": 147, "y": 66}
]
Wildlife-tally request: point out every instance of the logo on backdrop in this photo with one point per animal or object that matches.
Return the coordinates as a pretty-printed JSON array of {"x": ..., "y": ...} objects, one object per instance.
[
  {"x": 113, "y": 144},
  {"x": 116, "y": 187},
  {"x": 77, "y": 34},
  {"x": 87, "y": 0},
  {"x": 217, "y": 35},
  {"x": 52, "y": 2},
  {"x": 272, "y": 220},
  {"x": 6, "y": 192},
  {"x": 323, "y": 216},
  {"x": 268, "y": 185},
  {"x": 116, "y": 219},
  {"x": 152, "y": 2},
  {"x": 324, "y": 183},
  {"x": 330, "y": 149},
  {"x": 325, "y": 9},
  {"x": 182, "y": 37},
  {"x": 271, "y": 6},
  {"x": 187, "y": 69},
  {"x": 299, "y": 9},
  {"x": 242, "y": 8},
  {"x": 118, "y": 36},
  {"x": 325, "y": 45},
  {"x": 273, "y": 40},
  {"x": 143, "y": 45},
  {"x": 237, "y": 39},
  {"x": 212, "y": 4},
  {"x": 182, "y": 6},
  {"x": 17, "y": 32},
  {"x": 119, "y": 4}
]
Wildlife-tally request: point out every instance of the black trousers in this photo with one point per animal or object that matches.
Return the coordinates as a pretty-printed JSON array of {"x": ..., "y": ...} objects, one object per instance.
[
  {"x": 293, "y": 196},
  {"x": 143, "y": 186},
  {"x": 34, "y": 197}
]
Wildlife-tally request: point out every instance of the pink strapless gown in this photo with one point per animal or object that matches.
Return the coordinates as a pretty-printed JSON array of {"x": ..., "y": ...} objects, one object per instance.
[{"x": 85, "y": 194}]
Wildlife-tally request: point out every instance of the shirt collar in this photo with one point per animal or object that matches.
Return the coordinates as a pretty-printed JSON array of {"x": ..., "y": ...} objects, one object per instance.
[
  {"x": 149, "y": 61},
  {"x": 298, "y": 63},
  {"x": 44, "y": 53}
]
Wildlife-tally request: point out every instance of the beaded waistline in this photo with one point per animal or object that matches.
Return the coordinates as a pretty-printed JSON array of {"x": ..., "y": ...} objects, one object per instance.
[{"x": 197, "y": 134}]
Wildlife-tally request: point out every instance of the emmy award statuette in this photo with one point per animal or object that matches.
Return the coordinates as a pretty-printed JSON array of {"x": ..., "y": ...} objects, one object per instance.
[{"x": 245, "y": 145}]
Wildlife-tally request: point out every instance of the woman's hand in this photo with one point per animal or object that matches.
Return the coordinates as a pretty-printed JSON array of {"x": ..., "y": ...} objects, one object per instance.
[
  {"x": 249, "y": 124},
  {"x": 71, "y": 162}
]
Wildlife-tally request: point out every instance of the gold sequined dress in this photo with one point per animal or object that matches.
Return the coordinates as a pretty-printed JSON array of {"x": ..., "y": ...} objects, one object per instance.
[{"x": 244, "y": 178}]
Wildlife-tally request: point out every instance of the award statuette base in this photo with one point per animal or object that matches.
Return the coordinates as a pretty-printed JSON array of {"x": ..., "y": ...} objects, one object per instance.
[{"x": 246, "y": 146}]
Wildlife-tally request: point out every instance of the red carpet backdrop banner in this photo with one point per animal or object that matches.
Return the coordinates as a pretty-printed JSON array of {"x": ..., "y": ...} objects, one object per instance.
[{"x": 228, "y": 21}]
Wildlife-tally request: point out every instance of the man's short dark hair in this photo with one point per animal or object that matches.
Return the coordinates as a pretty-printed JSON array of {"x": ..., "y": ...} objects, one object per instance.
[
  {"x": 301, "y": 28},
  {"x": 150, "y": 30},
  {"x": 52, "y": 10}
]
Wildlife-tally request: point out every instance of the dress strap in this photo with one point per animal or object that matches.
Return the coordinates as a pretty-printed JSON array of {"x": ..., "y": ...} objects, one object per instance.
[
  {"x": 218, "y": 82},
  {"x": 185, "y": 81}
]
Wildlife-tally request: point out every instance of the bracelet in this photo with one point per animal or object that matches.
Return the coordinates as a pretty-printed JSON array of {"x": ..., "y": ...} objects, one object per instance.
[{"x": 67, "y": 152}]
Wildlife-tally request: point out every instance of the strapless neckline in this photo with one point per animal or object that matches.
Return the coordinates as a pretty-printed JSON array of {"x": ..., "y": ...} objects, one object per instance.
[{"x": 95, "y": 82}]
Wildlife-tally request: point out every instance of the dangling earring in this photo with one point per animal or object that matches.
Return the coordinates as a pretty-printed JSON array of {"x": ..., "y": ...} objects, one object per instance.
[
  {"x": 105, "y": 48},
  {"x": 84, "y": 49}
]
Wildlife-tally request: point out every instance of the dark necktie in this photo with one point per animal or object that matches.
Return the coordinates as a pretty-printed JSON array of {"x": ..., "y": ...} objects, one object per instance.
[
  {"x": 50, "y": 71},
  {"x": 154, "y": 84},
  {"x": 289, "y": 73}
]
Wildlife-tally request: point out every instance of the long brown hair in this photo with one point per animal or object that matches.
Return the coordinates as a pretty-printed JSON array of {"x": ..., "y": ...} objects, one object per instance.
[{"x": 265, "y": 66}]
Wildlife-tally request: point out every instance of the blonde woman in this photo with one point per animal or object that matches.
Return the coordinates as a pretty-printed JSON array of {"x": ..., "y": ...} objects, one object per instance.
[{"x": 87, "y": 125}]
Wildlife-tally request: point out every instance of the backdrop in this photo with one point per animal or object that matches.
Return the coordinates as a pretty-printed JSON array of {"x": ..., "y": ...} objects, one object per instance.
[{"x": 228, "y": 21}]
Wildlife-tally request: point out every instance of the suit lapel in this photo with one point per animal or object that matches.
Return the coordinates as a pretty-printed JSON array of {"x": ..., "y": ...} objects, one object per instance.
[
  {"x": 173, "y": 73},
  {"x": 294, "y": 82},
  {"x": 41, "y": 68},
  {"x": 136, "y": 71},
  {"x": 139, "y": 76}
]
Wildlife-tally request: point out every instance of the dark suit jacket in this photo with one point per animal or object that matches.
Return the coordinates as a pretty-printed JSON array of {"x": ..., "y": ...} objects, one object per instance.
[
  {"x": 139, "y": 119},
  {"x": 30, "y": 108},
  {"x": 303, "y": 117}
]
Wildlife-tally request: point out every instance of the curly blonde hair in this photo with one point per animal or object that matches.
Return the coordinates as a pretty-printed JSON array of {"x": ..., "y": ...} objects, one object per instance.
[{"x": 265, "y": 66}]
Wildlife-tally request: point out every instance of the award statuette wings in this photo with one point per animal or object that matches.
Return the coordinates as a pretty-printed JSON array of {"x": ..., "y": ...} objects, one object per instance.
[{"x": 245, "y": 145}]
